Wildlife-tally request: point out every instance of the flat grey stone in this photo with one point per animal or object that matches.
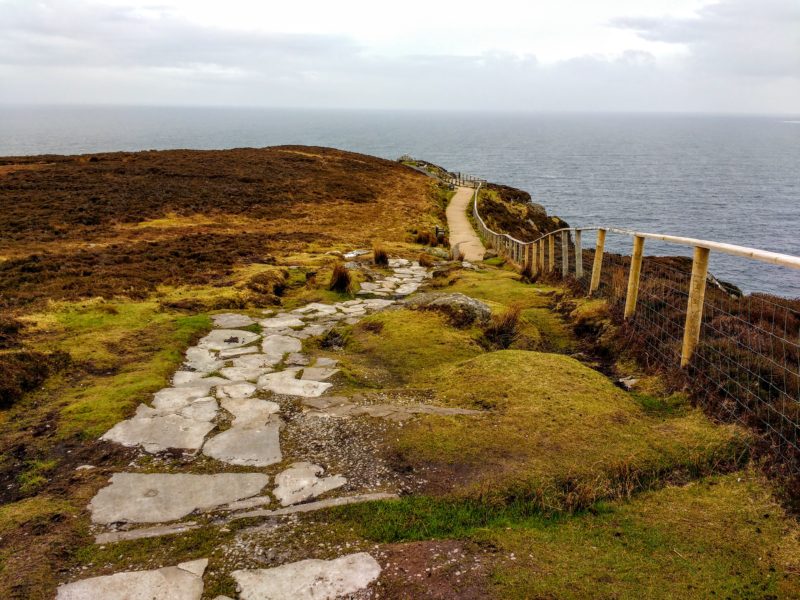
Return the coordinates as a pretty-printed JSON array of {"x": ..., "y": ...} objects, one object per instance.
[
  {"x": 255, "y": 361},
  {"x": 318, "y": 373},
  {"x": 183, "y": 377},
  {"x": 398, "y": 262},
  {"x": 225, "y": 339},
  {"x": 201, "y": 359},
  {"x": 297, "y": 358},
  {"x": 309, "y": 579},
  {"x": 235, "y": 352},
  {"x": 242, "y": 373},
  {"x": 277, "y": 346},
  {"x": 302, "y": 481},
  {"x": 250, "y": 411},
  {"x": 144, "y": 532},
  {"x": 181, "y": 582},
  {"x": 323, "y": 361},
  {"x": 285, "y": 382},
  {"x": 240, "y": 389},
  {"x": 460, "y": 310},
  {"x": 354, "y": 302},
  {"x": 232, "y": 320},
  {"x": 312, "y": 506},
  {"x": 280, "y": 322},
  {"x": 158, "y": 434},
  {"x": 253, "y": 445},
  {"x": 325, "y": 402},
  {"x": 322, "y": 308},
  {"x": 176, "y": 398},
  {"x": 377, "y": 303},
  {"x": 162, "y": 497}
]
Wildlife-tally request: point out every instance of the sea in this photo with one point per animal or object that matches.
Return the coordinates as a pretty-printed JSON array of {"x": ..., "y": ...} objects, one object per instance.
[{"x": 733, "y": 179}]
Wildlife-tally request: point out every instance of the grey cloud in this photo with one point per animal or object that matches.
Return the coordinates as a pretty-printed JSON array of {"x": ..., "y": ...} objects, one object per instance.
[{"x": 752, "y": 38}]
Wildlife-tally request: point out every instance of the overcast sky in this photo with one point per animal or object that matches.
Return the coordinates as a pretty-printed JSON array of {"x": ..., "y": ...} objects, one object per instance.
[{"x": 586, "y": 55}]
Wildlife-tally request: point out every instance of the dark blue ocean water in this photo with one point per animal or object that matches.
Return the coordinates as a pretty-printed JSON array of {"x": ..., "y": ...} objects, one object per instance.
[{"x": 730, "y": 179}]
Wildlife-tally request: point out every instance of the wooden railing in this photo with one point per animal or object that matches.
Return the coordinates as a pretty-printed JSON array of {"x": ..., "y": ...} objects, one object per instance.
[{"x": 751, "y": 352}]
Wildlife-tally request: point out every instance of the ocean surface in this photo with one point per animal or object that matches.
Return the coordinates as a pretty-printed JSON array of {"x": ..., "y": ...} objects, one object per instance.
[{"x": 729, "y": 179}]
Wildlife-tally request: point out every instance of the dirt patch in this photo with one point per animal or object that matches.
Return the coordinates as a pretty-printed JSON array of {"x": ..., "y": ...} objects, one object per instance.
[
  {"x": 6, "y": 169},
  {"x": 438, "y": 570}
]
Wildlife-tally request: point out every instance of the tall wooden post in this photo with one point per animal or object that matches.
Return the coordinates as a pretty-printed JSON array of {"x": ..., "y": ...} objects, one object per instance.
[
  {"x": 694, "y": 310},
  {"x": 633, "y": 277},
  {"x": 564, "y": 254},
  {"x": 578, "y": 255},
  {"x": 540, "y": 243},
  {"x": 551, "y": 246},
  {"x": 528, "y": 266},
  {"x": 534, "y": 258},
  {"x": 597, "y": 267}
]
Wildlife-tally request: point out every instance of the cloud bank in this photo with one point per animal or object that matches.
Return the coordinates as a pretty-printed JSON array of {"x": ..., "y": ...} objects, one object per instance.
[{"x": 733, "y": 56}]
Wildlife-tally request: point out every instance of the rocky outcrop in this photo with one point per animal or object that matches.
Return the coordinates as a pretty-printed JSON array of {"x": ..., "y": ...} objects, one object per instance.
[{"x": 459, "y": 309}]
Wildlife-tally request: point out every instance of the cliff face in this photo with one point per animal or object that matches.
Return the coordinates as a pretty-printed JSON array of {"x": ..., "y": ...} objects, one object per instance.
[{"x": 510, "y": 210}]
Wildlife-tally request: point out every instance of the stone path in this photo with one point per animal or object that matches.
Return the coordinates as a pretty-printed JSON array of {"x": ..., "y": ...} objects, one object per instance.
[
  {"x": 463, "y": 238},
  {"x": 226, "y": 405}
]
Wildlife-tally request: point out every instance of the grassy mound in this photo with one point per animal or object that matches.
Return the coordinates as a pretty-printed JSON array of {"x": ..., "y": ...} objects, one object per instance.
[{"x": 556, "y": 433}]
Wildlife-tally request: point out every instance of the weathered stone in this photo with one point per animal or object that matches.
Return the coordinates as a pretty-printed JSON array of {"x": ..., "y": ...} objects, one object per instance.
[
  {"x": 242, "y": 374},
  {"x": 255, "y": 361},
  {"x": 318, "y": 373},
  {"x": 250, "y": 411},
  {"x": 312, "y": 506},
  {"x": 302, "y": 482},
  {"x": 460, "y": 310},
  {"x": 181, "y": 582},
  {"x": 280, "y": 322},
  {"x": 201, "y": 359},
  {"x": 176, "y": 398},
  {"x": 325, "y": 402},
  {"x": 310, "y": 579},
  {"x": 225, "y": 339},
  {"x": 253, "y": 445},
  {"x": 235, "y": 352},
  {"x": 296, "y": 358},
  {"x": 377, "y": 303},
  {"x": 159, "y": 433},
  {"x": 232, "y": 320},
  {"x": 240, "y": 389},
  {"x": 161, "y": 497},
  {"x": 323, "y": 361},
  {"x": 184, "y": 377},
  {"x": 285, "y": 382},
  {"x": 277, "y": 346},
  {"x": 144, "y": 532}
]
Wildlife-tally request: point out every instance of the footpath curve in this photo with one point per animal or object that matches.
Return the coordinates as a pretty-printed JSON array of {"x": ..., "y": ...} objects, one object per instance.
[{"x": 462, "y": 236}]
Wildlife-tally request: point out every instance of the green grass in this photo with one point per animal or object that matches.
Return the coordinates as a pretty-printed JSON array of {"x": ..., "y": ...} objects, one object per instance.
[
  {"x": 557, "y": 433},
  {"x": 398, "y": 347},
  {"x": 35, "y": 475}
]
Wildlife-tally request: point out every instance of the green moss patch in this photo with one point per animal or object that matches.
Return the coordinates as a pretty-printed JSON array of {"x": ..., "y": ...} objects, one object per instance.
[{"x": 557, "y": 433}]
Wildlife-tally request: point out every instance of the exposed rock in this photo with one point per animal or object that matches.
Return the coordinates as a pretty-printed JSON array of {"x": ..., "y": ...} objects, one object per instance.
[
  {"x": 280, "y": 322},
  {"x": 241, "y": 389},
  {"x": 184, "y": 377},
  {"x": 277, "y": 346},
  {"x": 253, "y": 445},
  {"x": 242, "y": 373},
  {"x": 201, "y": 359},
  {"x": 161, "y": 497},
  {"x": 308, "y": 506},
  {"x": 325, "y": 362},
  {"x": 232, "y": 320},
  {"x": 310, "y": 579},
  {"x": 250, "y": 411},
  {"x": 144, "y": 532},
  {"x": 286, "y": 382},
  {"x": 225, "y": 339},
  {"x": 235, "y": 352},
  {"x": 297, "y": 358},
  {"x": 460, "y": 310},
  {"x": 255, "y": 361},
  {"x": 181, "y": 582},
  {"x": 176, "y": 398},
  {"x": 318, "y": 373},
  {"x": 302, "y": 482},
  {"x": 628, "y": 383}
]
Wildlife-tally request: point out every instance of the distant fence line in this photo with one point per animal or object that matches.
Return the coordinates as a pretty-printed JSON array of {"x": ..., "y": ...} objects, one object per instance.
[{"x": 741, "y": 353}]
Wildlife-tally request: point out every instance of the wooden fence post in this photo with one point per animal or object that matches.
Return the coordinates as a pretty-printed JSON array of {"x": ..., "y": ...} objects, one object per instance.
[
  {"x": 694, "y": 309},
  {"x": 534, "y": 258},
  {"x": 564, "y": 254},
  {"x": 551, "y": 246},
  {"x": 540, "y": 243},
  {"x": 633, "y": 276},
  {"x": 578, "y": 255},
  {"x": 598, "y": 261}
]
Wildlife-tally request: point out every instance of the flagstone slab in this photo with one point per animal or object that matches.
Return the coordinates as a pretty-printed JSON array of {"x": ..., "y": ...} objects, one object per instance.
[
  {"x": 277, "y": 346},
  {"x": 225, "y": 339},
  {"x": 162, "y": 497},
  {"x": 302, "y": 481},
  {"x": 280, "y": 322},
  {"x": 242, "y": 373},
  {"x": 232, "y": 320},
  {"x": 183, "y": 377},
  {"x": 310, "y": 579},
  {"x": 240, "y": 389},
  {"x": 202, "y": 359},
  {"x": 236, "y": 352},
  {"x": 285, "y": 382},
  {"x": 181, "y": 582},
  {"x": 176, "y": 398},
  {"x": 250, "y": 411},
  {"x": 318, "y": 373},
  {"x": 255, "y": 361},
  {"x": 158, "y": 434},
  {"x": 253, "y": 445}
]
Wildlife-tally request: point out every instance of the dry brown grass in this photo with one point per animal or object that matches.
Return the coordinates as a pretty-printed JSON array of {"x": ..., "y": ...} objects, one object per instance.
[
  {"x": 379, "y": 255},
  {"x": 340, "y": 279},
  {"x": 426, "y": 260},
  {"x": 504, "y": 328}
]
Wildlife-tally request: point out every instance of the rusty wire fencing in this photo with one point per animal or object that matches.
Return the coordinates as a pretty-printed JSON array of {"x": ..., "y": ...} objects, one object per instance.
[{"x": 738, "y": 354}]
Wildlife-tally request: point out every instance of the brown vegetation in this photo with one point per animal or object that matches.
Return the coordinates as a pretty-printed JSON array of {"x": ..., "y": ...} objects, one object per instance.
[
  {"x": 21, "y": 372},
  {"x": 379, "y": 255},
  {"x": 503, "y": 329},
  {"x": 340, "y": 279},
  {"x": 509, "y": 210}
]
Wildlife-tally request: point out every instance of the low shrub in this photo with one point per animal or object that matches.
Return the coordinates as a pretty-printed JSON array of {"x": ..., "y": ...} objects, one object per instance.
[
  {"x": 379, "y": 255},
  {"x": 503, "y": 329},
  {"x": 426, "y": 260}
]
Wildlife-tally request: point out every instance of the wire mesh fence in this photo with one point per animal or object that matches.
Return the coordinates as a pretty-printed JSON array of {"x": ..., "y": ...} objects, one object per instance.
[{"x": 741, "y": 364}]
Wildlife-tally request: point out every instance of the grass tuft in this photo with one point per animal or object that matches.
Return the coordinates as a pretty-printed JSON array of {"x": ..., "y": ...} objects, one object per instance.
[
  {"x": 379, "y": 255},
  {"x": 340, "y": 279},
  {"x": 503, "y": 329}
]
